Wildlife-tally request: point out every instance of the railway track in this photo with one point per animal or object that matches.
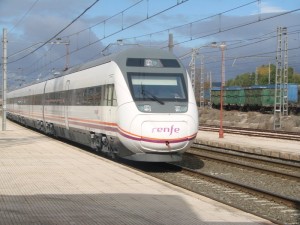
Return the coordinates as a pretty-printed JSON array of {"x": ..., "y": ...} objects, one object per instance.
[
  {"x": 274, "y": 207},
  {"x": 266, "y": 189},
  {"x": 254, "y": 132},
  {"x": 270, "y": 189},
  {"x": 263, "y": 164}
]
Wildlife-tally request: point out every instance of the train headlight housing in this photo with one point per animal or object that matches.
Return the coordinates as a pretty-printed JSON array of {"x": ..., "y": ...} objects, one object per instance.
[
  {"x": 181, "y": 108},
  {"x": 144, "y": 108}
]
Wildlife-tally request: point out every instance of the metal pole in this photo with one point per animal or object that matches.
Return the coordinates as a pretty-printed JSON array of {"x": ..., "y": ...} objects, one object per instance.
[
  {"x": 4, "y": 71},
  {"x": 210, "y": 86},
  {"x": 171, "y": 42},
  {"x": 201, "y": 98},
  {"x": 269, "y": 72},
  {"x": 67, "y": 56},
  {"x": 256, "y": 76},
  {"x": 221, "y": 131}
]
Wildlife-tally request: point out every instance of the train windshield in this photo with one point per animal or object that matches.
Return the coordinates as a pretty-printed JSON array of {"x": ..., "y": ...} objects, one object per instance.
[{"x": 157, "y": 87}]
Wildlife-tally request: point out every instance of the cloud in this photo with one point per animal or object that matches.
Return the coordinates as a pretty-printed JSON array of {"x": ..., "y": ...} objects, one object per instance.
[
  {"x": 252, "y": 42},
  {"x": 45, "y": 20},
  {"x": 267, "y": 8}
]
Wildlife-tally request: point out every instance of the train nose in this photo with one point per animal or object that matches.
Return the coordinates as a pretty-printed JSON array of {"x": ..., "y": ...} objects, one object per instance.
[{"x": 161, "y": 135}]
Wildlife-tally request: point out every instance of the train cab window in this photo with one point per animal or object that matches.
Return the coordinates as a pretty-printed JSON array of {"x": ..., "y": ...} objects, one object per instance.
[{"x": 156, "y": 86}]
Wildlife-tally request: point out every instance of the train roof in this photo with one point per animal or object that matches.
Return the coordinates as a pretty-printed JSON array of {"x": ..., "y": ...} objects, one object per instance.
[{"x": 119, "y": 57}]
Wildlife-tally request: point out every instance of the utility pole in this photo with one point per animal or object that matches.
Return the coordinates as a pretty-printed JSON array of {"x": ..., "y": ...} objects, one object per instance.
[
  {"x": 210, "y": 86},
  {"x": 4, "y": 71},
  {"x": 222, "y": 47},
  {"x": 256, "y": 76},
  {"x": 269, "y": 73}
]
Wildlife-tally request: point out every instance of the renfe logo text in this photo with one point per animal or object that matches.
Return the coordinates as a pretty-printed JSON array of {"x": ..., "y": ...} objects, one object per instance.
[{"x": 169, "y": 130}]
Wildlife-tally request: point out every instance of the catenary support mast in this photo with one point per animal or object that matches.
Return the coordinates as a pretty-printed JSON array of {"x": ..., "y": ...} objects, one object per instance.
[
  {"x": 281, "y": 78},
  {"x": 4, "y": 75}
]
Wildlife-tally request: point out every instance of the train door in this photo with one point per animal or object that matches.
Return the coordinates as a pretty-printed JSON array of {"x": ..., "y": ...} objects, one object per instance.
[
  {"x": 27, "y": 104},
  {"x": 110, "y": 98},
  {"x": 66, "y": 103},
  {"x": 30, "y": 99},
  {"x": 108, "y": 89}
]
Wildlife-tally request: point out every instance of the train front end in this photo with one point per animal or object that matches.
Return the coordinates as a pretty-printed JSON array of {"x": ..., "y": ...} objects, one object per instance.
[{"x": 157, "y": 112}]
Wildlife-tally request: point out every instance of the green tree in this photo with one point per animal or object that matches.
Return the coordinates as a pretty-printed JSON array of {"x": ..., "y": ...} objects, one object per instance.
[
  {"x": 248, "y": 79},
  {"x": 243, "y": 80}
]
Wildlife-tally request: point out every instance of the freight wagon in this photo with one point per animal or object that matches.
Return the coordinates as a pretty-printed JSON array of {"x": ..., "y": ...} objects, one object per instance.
[{"x": 254, "y": 98}]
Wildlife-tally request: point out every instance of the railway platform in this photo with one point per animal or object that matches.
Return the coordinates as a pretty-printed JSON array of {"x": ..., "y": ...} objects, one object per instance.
[
  {"x": 276, "y": 148},
  {"x": 45, "y": 181}
]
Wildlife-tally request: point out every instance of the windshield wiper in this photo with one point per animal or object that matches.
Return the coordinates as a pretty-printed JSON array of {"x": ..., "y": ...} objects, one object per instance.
[{"x": 153, "y": 97}]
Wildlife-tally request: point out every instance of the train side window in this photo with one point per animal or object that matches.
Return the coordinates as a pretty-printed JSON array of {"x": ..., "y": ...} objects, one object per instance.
[
  {"x": 115, "y": 103},
  {"x": 79, "y": 96},
  {"x": 108, "y": 95},
  {"x": 103, "y": 96},
  {"x": 89, "y": 96},
  {"x": 98, "y": 95},
  {"x": 72, "y": 97},
  {"x": 110, "y": 98}
]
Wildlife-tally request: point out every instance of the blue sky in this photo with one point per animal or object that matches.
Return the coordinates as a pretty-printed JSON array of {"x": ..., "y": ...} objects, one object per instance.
[{"x": 35, "y": 21}]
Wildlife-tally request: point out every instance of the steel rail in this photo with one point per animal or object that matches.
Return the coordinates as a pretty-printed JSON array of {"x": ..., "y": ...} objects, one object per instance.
[
  {"x": 295, "y": 177},
  {"x": 254, "y": 132},
  {"x": 280, "y": 199}
]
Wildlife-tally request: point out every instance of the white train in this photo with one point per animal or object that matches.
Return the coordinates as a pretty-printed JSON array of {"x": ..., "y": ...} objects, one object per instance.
[{"x": 138, "y": 104}]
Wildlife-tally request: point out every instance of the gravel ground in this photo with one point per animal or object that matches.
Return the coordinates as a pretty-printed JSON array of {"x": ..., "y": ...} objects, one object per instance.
[
  {"x": 254, "y": 120},
  {"x": 255, "y": 179}
]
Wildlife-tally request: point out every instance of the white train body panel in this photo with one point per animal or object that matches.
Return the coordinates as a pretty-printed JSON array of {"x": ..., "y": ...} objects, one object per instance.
[{"x": 118, "y": 105}]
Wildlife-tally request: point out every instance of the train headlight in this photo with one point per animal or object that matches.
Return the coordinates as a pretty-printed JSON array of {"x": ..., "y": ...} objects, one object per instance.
[
  {"x": 144, "y": 108},
  {"x": 180, "y": 108}
]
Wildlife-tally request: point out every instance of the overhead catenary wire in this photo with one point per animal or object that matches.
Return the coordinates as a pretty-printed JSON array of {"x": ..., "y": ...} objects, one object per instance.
[
  {"x": 189, "y": 24},
  {"x": 123, "y": 28},
  {"x": 236, "y": 27},
  {"x": 56, "y": 33},
  {"x": 192, "y": 38},
  {"x": 105, "y": 36},
  {"x": 23, "y": 17},
  {"x": 250, "y": 56},
  {"x": 105, "y": 20}
]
